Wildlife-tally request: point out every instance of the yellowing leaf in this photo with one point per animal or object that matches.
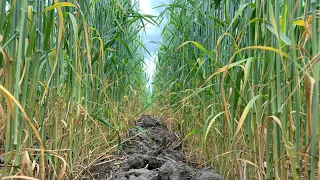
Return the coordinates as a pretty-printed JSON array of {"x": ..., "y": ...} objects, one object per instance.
[
  {"x": 309, "y": 20},
  {"x": 57, "y": 5},
  {"x": 199, "y": 46},
  {"x": 199, "y": 60},
  {"x": 121, "y": 7},
  {"x": 302, "y": 22},
  {"x": 299, "y": 23},
  {"x": 60, "y": 15},
  {"x": 19, "y": 177},
  {"x": 247, "y": 161},
  {"x": 30, "y": 12},
  {"x": 209, "y": 126},
  {"x": 244, "y": 115},
  {"x": 265, "y": 48}
]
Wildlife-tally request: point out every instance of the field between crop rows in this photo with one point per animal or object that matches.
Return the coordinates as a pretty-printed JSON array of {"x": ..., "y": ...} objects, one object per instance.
[{"x": 236, "y": 80}]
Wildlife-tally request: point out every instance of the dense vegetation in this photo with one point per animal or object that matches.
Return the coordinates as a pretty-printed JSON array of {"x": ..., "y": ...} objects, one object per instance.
[
  {"x": 239, "y": 78},
  {"x": 242, "y": 80},
  {"x": 70, "y": 71}
]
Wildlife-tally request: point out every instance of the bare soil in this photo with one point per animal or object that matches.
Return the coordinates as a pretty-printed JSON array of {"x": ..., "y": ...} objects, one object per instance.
[{"x": 152, "y": 153}]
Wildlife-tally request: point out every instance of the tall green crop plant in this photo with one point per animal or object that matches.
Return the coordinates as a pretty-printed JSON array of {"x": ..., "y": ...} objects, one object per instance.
[
  {"x": 314, "y": 90},
  {"x": 20, "y": 28},
  {"x": 254, "y": 62},
  {"x": 67, "y": 65}
]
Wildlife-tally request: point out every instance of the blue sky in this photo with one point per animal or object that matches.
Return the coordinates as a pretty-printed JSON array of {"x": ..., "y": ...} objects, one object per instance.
[{"x": 151, "y": 35}]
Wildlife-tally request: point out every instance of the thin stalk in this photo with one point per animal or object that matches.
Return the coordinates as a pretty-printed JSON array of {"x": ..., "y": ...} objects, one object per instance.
[
  {"x": 16, "y": 120},
  {"x": 315, "y": 92}
]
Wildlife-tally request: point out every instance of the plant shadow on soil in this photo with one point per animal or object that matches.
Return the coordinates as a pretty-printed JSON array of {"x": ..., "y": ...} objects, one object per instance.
[{"x": 152, "y": 153}]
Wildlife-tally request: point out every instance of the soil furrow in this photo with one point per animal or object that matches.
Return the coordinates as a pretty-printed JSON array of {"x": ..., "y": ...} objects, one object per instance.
[{"x": 152, "y": 153}]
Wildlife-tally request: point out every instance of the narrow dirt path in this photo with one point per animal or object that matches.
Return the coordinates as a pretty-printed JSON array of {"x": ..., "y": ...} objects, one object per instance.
[{"x": 153, "y": 153}]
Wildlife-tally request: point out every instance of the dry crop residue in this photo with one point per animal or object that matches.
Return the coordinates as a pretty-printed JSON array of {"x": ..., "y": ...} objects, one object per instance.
[{"x": 152, "y": 153}]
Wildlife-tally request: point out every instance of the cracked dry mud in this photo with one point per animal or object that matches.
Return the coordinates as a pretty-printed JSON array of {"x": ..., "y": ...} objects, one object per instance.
[{"x": 152, "y": 153}]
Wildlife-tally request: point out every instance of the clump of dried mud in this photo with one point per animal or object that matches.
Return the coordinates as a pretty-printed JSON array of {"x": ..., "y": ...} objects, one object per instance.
[{"x": 152, "y": 153}]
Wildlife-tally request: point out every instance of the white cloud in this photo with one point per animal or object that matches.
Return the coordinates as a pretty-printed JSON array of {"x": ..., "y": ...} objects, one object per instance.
[
  {"x": 146, "y": 7},
  {"x": 150, "y": 67},
  {"x": 152, "y": 34},
  {"x": 7, "y": 6}
]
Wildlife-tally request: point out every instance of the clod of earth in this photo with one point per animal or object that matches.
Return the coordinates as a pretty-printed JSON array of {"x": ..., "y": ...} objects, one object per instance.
[{"x": 151, "y": 154}]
